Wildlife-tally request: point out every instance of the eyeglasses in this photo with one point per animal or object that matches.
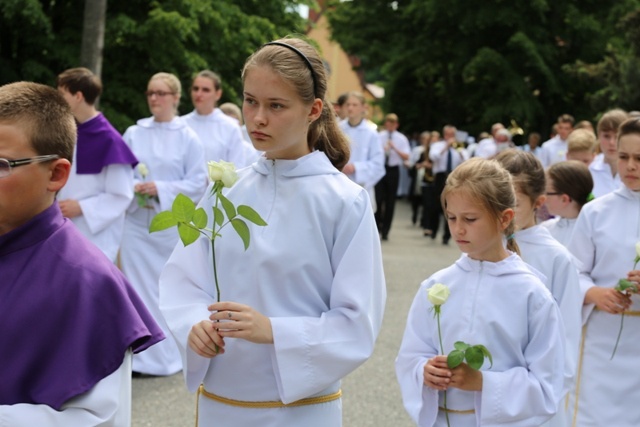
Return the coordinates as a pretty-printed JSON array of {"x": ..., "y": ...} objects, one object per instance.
[
  {"x": 7, "y": 165},
  {"x": 159, "y": 93},
  {"x": 554, "y": 194}
]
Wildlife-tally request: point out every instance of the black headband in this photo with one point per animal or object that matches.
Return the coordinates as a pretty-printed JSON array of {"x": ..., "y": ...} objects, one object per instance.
[{"x": 304, "y": 57}]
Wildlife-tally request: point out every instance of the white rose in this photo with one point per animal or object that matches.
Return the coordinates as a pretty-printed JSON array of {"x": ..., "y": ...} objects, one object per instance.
[
  {"x": 638, "y": 249},
  {"x": 223, "y": 171},
  {"x": 143, "y": 170},
  {"x": 438, "y": 294}
]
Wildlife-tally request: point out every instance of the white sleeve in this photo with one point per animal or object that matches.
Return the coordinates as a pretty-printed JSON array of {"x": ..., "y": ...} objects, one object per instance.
[
  {"x": 193, "y": 182},
  {"x": 107, "y": 404},
  {"x": 370, "y": 171},
  {"x": 582, "y": 247},
  {"x": 184, "y": 302},
  {"x": 528, "y": 395},
  {"x": 420, "y": 401},
  {"x": 101, "y": 210}
]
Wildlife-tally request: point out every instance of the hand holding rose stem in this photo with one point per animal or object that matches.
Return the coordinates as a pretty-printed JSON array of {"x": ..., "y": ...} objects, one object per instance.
[
  {"x": 192, "y": 222},
  {"x": 625, "y": 286},
  {"x": 473, "y": 354}
]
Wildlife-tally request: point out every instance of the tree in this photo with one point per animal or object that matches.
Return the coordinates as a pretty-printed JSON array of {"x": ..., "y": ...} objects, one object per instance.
[
  {"x": 39, "y": 39},
  {"x": 444, "y": 63},
  {"x": 95, "y": 12}
]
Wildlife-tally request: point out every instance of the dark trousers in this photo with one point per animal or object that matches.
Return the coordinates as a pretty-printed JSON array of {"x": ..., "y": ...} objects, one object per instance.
[
  {"x": 440, "y": 180},
  {"x": 386, "y": 190},
  {"x": 429, "y": 220}
]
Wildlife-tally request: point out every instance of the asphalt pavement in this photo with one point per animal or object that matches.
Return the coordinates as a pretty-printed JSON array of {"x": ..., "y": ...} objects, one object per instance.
[{"x": 371, "y": 396}]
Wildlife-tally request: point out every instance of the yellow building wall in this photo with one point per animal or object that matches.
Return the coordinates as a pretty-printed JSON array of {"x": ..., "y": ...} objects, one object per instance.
[{"x": 343, "y": 78}]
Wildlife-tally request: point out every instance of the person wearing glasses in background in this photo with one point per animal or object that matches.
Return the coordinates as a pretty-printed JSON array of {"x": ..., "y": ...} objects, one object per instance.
[
  {"x": 69, "y": 320},
  {"x": 100, "y": 186},
  {"x": 220, "y": 135},
  {"x": 174, "y": 163}
]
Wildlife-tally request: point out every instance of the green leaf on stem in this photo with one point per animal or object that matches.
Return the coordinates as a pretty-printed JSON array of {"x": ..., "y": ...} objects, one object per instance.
[
  {"x": 486, "y": 353},
  {"x": 455, "y": 358},
  {"x": 250, "y": 214},
  {"x": 228, "y": 207},
  {"x": 461, "y": 345},
  {"x": 218, "y": 216},
  {"x": 183, "y": 208},
  {"x": 188, "y": 233},
  {"x": 162, "y": 221},
  {"x": 626, "y": 285},
  {"x": 243, "y": 231},
  {"x": 142, "y": 199},
  {"x": 474, "y": 357},
  {"x": 200, "y": 218}
]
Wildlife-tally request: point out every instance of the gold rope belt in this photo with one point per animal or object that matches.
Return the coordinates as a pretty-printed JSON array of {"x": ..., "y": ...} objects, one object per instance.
[
  {"x": 456, "y": 411},
  {"x": 626, "y": 313},
  {"x": 269, "y": 404}
]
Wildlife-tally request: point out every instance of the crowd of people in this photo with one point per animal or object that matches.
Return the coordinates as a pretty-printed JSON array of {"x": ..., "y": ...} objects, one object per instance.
[{"x": 89, "y": 297}]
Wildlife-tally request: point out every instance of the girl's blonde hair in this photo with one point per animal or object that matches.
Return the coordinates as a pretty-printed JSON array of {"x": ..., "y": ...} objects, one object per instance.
[
  {"x": 172, "y": 81},
  {"x": 487, "y": 182},
  {"x": 310, "y": 82}
]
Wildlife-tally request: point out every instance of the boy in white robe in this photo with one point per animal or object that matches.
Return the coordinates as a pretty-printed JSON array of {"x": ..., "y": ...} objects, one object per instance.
[{"x": 605, "y": 240}]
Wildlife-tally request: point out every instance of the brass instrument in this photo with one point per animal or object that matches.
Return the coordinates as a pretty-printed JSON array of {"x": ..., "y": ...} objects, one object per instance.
[{"x": 515, "y": 129}]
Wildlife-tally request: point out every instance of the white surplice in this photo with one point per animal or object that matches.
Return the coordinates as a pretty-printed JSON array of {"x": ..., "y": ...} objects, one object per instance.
[
  {"x": 220, "y": 135},
  {"x": 174, "y": 156},
  {"x": 604, "y": 182},
  {"x": 104, "y": 198},
  {"x": 560, "y": 228},
  {"x": 315, "y": 270},
  {"x": 553, "y": 151},
  {"x": 505, "y": 307},
  {"x": 544, "y": 253},
  {"x": 604, "y": 241},
  {"x": 106, "y": 404},
  {"x": 367, "y": 155}
]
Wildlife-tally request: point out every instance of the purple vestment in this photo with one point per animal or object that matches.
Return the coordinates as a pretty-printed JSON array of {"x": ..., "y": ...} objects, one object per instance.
[
  {"x": 100, "y": 145},
  {"x": 67, "y": 314}
]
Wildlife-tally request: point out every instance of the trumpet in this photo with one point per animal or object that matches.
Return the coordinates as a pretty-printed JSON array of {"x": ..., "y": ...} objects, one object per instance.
[{"x": 515, "y": 129}]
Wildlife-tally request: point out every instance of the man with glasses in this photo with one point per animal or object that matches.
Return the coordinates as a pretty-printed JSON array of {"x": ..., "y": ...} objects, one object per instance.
[
  {"x": 69, "y": 320},
  {"x": 100, "y": 186}
]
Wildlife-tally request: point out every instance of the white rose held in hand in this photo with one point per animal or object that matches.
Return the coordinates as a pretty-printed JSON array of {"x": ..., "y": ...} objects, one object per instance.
[
  {"x": 222, "y": 171},
  {"x": 438, "y": 294},
  {"x": 143, "y": 170},
  {"x": 473, "y": 354}
]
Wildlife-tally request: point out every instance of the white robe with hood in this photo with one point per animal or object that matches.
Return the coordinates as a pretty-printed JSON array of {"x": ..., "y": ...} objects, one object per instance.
[{"x": 315, "y": 270}]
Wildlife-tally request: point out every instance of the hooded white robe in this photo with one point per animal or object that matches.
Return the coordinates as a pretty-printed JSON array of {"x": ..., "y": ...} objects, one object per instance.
[
  {"x": 540, "y": 250},
  {"x": 315, "y": 270},
  {"x": 505, "y": 307},
  {"x": 174, "y": 156},
  {"x": 604, "y": 240}
]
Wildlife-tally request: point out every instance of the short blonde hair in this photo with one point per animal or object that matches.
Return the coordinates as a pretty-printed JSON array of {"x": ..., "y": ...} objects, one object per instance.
[{"x": 581, "y": 140}]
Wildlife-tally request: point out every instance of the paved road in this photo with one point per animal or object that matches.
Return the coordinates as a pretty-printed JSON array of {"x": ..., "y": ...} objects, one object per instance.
[{"x": 371, "y": 394}]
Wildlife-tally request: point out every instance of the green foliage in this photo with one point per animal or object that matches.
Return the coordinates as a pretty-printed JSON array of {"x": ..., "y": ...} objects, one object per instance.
[
  {"x": 442, "y": 63},
  {"x": 39, "y": 39},
  {"x": 473, "y": 354}
]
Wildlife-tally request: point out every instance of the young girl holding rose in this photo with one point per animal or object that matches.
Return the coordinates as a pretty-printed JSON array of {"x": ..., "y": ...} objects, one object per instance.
[
  {"x": 302, "y": 306},
  {"x": 604, "y": 240},
  {"x": 495, "y": 300}
]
